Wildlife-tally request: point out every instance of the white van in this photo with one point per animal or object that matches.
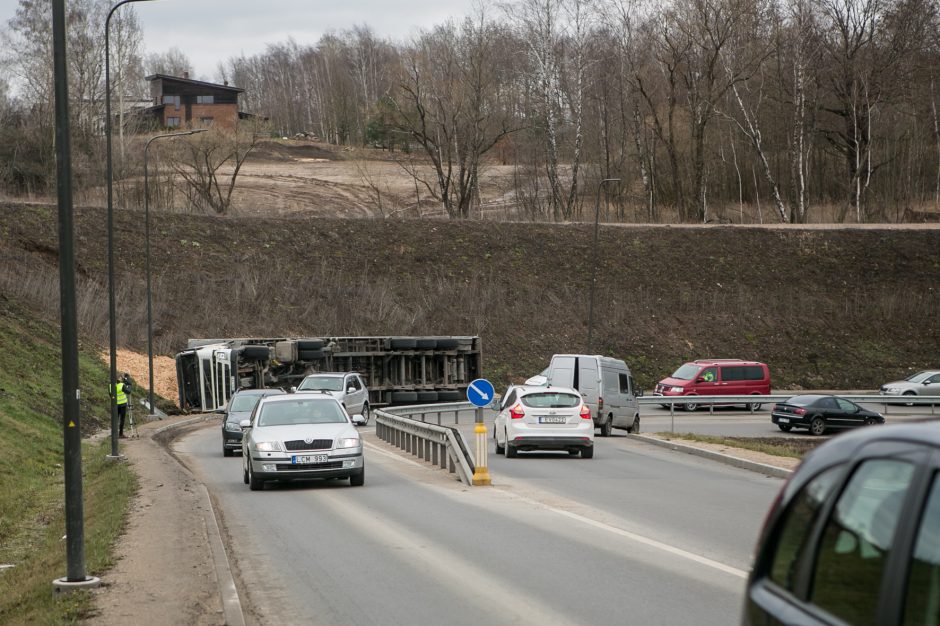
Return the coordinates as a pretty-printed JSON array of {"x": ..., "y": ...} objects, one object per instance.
[{"x": 605, "y": 385}]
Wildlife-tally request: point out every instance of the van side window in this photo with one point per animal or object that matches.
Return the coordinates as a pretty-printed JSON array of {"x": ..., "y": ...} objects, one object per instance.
[
  {"x": 732, "y": 373},
  {"x": 923, "y": 584},
  {"x": 625, "y": 384},
  {"x": 797, "y": 526},
  {"x": 855, "y": 545}
]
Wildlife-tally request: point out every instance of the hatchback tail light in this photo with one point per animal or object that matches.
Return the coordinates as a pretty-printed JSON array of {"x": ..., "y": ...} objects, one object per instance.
[
  {"x": 585, "y": 412},
  {"x": 516, "y": 412}
]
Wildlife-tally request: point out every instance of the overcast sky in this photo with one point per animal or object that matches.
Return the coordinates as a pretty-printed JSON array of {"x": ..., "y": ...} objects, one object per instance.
[{"x": 209, "y": 31}]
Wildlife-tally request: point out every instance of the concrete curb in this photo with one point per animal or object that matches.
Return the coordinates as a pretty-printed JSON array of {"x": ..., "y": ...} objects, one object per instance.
[
  {"x": 754, "y": 466},
  {"x": 231, "y": 604}
]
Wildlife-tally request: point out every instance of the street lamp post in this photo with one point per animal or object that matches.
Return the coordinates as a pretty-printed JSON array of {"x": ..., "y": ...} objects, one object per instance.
[
  {"x": 147, "y": 254},
  {"x": 112, "y": 314},
  {"x": 597, "y": 206}
]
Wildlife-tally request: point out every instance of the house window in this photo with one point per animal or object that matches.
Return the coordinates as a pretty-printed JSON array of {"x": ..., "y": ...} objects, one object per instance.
[
  {"x": 174, "y": 100},
  {"x": 173, "y": 122},
  {"x": 205, "y": 99},
  {"x": 205, "y": 121}
]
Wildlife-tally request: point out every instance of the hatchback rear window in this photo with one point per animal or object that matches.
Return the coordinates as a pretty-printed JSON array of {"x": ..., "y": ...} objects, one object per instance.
[{"x": 551, "y": 400}]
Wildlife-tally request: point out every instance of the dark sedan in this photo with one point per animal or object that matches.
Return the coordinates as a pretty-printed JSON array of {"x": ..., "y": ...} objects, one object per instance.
[
  {"x": 241, "y": 405},
  {"x": 818, "y": 414}
]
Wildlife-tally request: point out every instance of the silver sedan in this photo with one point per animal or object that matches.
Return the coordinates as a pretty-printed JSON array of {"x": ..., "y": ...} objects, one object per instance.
[{"x": 301, "y": 436}]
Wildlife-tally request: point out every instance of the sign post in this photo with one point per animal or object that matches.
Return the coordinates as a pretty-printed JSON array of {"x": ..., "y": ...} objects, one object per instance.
[{"x": 480, "y": 393}]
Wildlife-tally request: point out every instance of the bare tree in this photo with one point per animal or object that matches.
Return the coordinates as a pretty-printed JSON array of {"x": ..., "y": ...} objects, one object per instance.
[
  {"x": 173, "y": 62},
  {"x": 451, "y": 103},
  {"x": 209, "y": 164}
]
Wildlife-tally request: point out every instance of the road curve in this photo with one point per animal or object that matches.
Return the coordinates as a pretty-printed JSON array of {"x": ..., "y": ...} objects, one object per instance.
[{"x": 634, "y": 535}]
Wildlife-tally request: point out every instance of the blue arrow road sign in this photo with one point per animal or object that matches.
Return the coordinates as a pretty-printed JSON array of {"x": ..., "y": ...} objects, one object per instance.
[{"x": 480, "y": 392}]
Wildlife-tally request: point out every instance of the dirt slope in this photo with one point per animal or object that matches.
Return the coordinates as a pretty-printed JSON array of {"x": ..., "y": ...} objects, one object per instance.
[{"x": 826, "y": 308}]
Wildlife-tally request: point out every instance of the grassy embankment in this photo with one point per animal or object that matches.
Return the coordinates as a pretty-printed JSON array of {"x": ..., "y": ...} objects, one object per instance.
[
  {"x": 777, "y": 446},
  {"x": 32, "y": 500}
]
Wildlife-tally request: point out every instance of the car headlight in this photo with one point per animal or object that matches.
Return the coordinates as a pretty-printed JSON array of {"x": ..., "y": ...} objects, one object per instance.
[
  {"x": 676, "y": 389},
  {"x": 268, "y": 446},
  {"x": 233, "y": 427},
  {"x": 348, "y": 442}
]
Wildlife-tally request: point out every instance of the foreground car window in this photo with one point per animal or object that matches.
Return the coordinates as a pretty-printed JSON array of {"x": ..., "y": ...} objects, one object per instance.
[
  {"x": 923, "y": 584},
  {"x": 798, "y": 525},
  {"x": 857, "y": 541},
  {"x": 301, "y": 412},
  {"x": 551, "y": 400}
]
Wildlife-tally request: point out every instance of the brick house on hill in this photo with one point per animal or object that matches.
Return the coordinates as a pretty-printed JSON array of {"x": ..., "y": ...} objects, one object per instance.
[{"x": 186, "y": 103}]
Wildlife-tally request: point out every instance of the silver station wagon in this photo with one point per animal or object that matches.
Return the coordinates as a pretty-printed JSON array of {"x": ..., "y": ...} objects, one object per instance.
[{"x": 301, "y": 436}]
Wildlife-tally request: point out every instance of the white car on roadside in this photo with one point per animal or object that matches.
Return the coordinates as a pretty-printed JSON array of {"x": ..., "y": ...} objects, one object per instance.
[{"x": 543, "y": 418}]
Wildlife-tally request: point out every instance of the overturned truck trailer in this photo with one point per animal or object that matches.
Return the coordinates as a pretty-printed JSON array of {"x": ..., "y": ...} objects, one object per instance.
[{"x": 397, "y": 370}]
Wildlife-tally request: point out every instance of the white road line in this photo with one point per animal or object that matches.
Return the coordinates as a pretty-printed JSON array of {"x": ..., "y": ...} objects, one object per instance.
[
  {"x": 472, "y": 583},
  {"x": 394, "y": 456},
  {"x": 653, "y": 543}
]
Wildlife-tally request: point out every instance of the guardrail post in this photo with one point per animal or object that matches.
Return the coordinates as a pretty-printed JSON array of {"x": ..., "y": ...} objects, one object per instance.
[
  {"x": 457, "y": 417},
  {"x": 481, "y": 474},
  {"x": 438, "y": 418}
]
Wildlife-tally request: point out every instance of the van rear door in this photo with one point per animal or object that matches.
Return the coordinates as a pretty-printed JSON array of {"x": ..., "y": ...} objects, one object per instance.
[
  {"x": 561, "y": 371},
  {"x": 588, "y": 383}
]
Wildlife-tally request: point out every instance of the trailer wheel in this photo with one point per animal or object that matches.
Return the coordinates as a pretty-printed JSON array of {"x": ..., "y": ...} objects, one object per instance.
[
  {"x": 426, "y": 344},
  {"x": 448, "y": 344},
  {"x": 309, "y": 344},
  {"x": 449, "y": 395},
  {"x": 404, "y": 396},
  {"x": 427, "y": 396},
  {"x": 403, "y": 344},
  {"x": 310, "y": 355},
  {"x": 256, "y": 353}
]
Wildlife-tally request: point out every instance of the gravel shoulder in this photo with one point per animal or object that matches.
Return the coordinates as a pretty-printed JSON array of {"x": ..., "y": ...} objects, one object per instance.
[{"x": 164, "y": 571}]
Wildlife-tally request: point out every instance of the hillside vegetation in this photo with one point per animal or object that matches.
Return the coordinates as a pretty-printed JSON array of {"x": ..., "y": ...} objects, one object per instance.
[
  {"x": 836, "y": 308},
  {"x": 32, "y": 507}
]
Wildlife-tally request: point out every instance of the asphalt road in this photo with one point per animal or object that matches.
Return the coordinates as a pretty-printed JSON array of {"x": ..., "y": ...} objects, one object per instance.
[{"x": 637, "y": 534}]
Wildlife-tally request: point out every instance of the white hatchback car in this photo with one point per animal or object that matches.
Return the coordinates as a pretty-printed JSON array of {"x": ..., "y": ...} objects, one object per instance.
[{"x": 544, "y": 418}]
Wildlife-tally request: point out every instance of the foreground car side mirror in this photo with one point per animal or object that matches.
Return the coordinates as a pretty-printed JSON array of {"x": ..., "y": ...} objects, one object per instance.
[
  {"x": 351, "y": 390},
  {"x": 358, "y": 420},
  {"x": 245, "y": 424},
  {"x": 293, "y": 389}
]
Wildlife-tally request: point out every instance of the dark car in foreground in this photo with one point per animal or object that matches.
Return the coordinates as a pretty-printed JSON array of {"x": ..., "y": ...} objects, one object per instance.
[
  {"x": 239, "y": 408},
  {"x": 854, "y": 535},
  {"x": 819, "y": 413}
]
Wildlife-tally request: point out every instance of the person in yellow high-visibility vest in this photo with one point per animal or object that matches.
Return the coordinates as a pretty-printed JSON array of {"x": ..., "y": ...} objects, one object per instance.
[{"x": 120, "y": 399}]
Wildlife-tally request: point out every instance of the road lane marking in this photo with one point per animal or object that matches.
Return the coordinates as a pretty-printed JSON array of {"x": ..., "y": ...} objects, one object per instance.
[
  {"x": 653, "y": 543},
  {"x": 474, "y": 584},
  {"x": 394, "y": 456}
]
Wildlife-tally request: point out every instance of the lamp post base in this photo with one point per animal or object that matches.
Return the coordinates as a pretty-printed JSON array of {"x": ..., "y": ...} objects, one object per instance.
[{"x": 64, "y": 585}]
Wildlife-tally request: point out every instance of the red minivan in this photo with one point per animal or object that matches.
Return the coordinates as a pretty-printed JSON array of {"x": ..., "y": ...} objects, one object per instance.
[{"x": 717, "y": 377}]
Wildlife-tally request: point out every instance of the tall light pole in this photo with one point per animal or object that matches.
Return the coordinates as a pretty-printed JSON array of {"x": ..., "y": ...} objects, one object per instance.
[
  {"x": 597, "y": 207},
  {"x": 147, "y": 252},
  {"x": 112, "y": 314},
  {"x": 72, "y": 433}
]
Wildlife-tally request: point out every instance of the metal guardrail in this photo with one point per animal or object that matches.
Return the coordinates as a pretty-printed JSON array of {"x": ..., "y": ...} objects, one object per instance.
[
  {"x": 712, "y": 401},
  {"x": 442, "y": 446}
]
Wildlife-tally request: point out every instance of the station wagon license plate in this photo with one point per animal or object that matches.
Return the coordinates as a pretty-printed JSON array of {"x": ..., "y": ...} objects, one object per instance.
[
  {"x": 307, "y": 459},
  {"x": 553, "y": 420}
]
